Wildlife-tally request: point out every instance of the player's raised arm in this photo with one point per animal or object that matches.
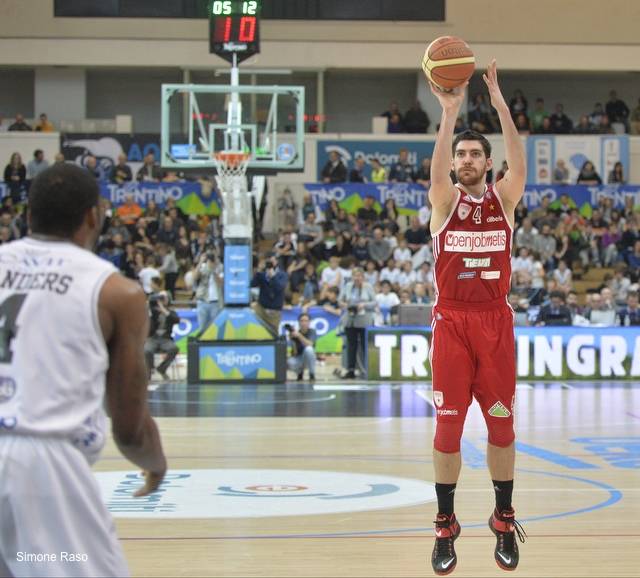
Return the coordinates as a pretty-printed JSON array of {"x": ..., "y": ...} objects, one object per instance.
[
  {"x": 125, "y": 324},
  {"x": 442, "y": 193},
  {"x": 511, "y": 187}
]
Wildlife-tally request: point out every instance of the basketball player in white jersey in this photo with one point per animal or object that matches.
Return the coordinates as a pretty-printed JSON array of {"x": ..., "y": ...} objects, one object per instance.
[{"x": 72, "y": 333}]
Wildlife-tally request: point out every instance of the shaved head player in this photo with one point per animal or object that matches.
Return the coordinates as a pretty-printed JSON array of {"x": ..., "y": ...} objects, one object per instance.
[
  {"x": 473, "y": 351},
  {"x": 72, "y": 332}
]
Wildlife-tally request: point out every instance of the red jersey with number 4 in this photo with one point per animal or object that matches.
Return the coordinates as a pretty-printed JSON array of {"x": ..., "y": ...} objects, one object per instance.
[{"x": 472, "y": 252}]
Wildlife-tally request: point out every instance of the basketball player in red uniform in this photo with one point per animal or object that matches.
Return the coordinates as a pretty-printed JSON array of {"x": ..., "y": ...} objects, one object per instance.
[{"x": 473, "y": 351}]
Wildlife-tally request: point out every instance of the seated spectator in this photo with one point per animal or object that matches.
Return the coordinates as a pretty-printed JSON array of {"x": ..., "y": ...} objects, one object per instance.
[
  {"x": 109, "y": 252},
  {"x": 588, "y": 175},
  {"x": 367, "y": 214},
  {"x": 605, "y": 126},
  {"x": 285, "y": 250},
  {"x": 633, "y": 259},
  {"x": 394, "y": 108},
  {"x": 420, "y": 295},
  {"x": 423, "y": 176},
  {"x": 389, "y": 216},
  {"x": 341, "y": 223},
  {"x": 600, "y": 312},
  {"x": 556, "y": 313},
  {"x": 361, "y": 249},
  {"x": 405, "y": 297},
  {"x": 168, "y": 267},
  {"x": 584, "y": 126},
  {"x": 295, "y": 270},
  {"x": 538, "y": 115},
  {"x": 387, "y": 302},
  {"x": 37, "y": 165},
  {"x": 310, "y": 284},
  {"x": 630, "y": 314},
  {"x": 407, "y": 276},
  {"x": 357, "y": 172},
  {"x": 121, "y": 172},
  {"x": 402, "y": 252},
  {"x": 129, "y": 212},
  {"x": 173, "y": 177},
  {"x": 521, "y": 212},
  {"x": 635, "y": 119},
  {"x": 371, "y": 274},
  {"x": 595, "y": 117},
  {"x": 395, "y": 124},
  {"x": 334, "y": 171},
  {"x": 572, "y": 304},
  {"x": 149, "y": 171},
  {"x": 537, "y": 271},
  {"x": 391, "y": 238},
  {"x": 93, "y": 168},
  {"x": 311, "y": 233},
  {"x": 307, "y": 207},
  {"x": 378, "y": 172},
  {"x": 522, "y": 124},
  {"x": 543, "y": 215},
  {"x": 479, "y": 116},
  {"x": 545, "y": 245},
  {"x": 424, "y": 275},
  {"x": 402, "y": 171},
  {"x": 304, "y": 355},
  {"x": 330, "y": 277},
  {"x": 390, "y": 273},
  {"x": 609, "y": 245},
  {"x": 546, "y": 127},
  {"x": 523, "y": 262},
  {"x": 502, "y": 172},
  {"x": 617, "y": 110},
  {"x": 168, "y": 233},
  {"x": 15, "y": 176},
  {"x": 330, "y": 302},
  {"x": 560, "y": 173},
  {"x": 616, "y": 176},
  {"x": 44, "y": 124},
  {"x": 563, "y": 277},
  {"x": 560, "y": 122},
  {"x": 20, "y": 125},
  {"x": 379, "y": 248},
  {"x": 526, "y": 235},
  {"x": 518, "y": 104},
  {"x": 416, "y": 120},
  {"x": 620, "y": 284},
  {"x": 342, "y": 247},
  {"x": 416, "y": 235}
]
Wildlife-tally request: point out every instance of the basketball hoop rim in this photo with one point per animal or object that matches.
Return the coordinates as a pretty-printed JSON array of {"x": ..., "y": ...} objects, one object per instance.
[{"x": 231, "y": 159}]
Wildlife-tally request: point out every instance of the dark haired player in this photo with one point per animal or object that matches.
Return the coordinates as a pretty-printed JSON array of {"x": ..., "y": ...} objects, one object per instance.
[
  {"x": 72, "y": 331},
  {"x": 473, "y": 351}
]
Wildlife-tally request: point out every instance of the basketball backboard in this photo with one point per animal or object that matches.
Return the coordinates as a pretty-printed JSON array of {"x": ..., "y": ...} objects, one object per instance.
[{"x": 196, "y": 125}]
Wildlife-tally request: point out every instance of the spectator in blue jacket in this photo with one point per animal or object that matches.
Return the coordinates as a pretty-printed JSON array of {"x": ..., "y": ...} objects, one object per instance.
[{"x": 272, "y": 282}]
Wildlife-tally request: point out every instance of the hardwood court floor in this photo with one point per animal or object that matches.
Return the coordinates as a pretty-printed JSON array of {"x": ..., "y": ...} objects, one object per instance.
[{"x": 577, "y": 483}]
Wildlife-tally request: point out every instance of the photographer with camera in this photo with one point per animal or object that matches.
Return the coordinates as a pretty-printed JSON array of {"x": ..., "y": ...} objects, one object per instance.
[
  {"x": 162, "y": 320},
  {"x": 360, "y": 300},
  {"x": 272, "y": 282},
  {"x": 207, "y": 278},
  {"x": 304, "y": 340}
]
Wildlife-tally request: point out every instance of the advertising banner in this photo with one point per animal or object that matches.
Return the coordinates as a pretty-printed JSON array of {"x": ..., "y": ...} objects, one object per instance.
[
  {"x": 237, "y": 273},
  {"x": 543, "y": 151},
  {"x": 402, "y": 353},
  {"x": 409, "y": 197}
]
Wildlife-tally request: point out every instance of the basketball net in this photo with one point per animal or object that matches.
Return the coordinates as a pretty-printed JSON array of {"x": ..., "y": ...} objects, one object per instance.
[{"x": 232, "y": 183}]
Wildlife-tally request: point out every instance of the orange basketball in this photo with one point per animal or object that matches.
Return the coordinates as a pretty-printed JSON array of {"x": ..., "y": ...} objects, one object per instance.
[{"x": 448, "y": 62}]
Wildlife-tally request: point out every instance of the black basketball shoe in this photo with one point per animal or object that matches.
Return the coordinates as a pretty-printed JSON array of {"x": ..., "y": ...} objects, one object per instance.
[
  {"x": 506, "y": 529},
  {"x": 443, "y": 557}
]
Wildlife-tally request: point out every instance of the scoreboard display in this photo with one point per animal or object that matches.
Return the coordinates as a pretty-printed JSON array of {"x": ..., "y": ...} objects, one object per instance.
[{"x": 234, "y": 28}]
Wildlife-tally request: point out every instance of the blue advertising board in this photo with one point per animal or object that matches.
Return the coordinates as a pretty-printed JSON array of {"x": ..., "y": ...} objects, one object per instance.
[
  {"x": 237, "y": 273},
  {"x": 385, "y": 151}
]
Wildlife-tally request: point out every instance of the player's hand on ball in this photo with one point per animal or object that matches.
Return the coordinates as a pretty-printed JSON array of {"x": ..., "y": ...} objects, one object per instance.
[
  {"x": 451, "y": 99},
  {"x": 152, "y": 481},
  {"x": 491, "y": 80}
]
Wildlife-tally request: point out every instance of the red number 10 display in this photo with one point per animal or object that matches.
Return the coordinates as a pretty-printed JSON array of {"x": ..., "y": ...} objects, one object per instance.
[{"x": 233, "y": 29}]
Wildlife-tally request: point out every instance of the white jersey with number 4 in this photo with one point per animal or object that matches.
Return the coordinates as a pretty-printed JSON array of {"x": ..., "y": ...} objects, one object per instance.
[{"x": 53, "y": 358}]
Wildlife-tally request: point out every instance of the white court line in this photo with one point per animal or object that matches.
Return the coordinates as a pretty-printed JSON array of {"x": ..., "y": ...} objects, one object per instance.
[
  {"x": 421, "y": 393},
  {"x": 341, "y": 388}
]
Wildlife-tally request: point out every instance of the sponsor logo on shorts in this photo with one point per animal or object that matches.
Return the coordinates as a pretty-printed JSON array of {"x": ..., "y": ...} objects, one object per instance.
[
  {"x": 498, "y": 410},
  {"x": 447, "y": 412},
  {"x": 463, "y": 211},
  {"x": 490, "y": 274},
  {"x": 438, "y": 398},
  {"x": 493, "y": 219},
  {"x": 467, "y": 275},
  {"x": 474, "y": 263},
  {"x": 475, "y": 241},
  {"x": 7, "y": 389}
]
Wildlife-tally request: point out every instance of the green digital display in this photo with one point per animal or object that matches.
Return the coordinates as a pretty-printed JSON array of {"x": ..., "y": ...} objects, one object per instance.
[{"x": 234, "y": 7}]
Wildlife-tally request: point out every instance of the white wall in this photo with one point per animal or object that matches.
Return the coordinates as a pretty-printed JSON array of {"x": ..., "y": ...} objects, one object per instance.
[
  {"x": 16, "y": 92},
  {"x": 60, "y": 93}
]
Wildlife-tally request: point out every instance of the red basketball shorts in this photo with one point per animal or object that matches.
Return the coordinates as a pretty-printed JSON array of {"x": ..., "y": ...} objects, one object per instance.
[{"x": 473, "y": 355}]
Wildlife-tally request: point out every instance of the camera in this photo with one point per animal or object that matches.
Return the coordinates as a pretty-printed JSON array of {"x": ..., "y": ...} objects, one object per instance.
[
  {"x": 211, "y": 256},
  {"x": 288, "y": 327},
  {"x": 352, "y": 309},
  {"x": 268, "y": 265}
]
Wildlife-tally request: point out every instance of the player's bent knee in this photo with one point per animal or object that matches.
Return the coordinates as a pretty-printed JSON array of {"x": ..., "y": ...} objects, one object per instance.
[
  {"x": 501, "y": 433},
  {"x": 448, "y": 435}
]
